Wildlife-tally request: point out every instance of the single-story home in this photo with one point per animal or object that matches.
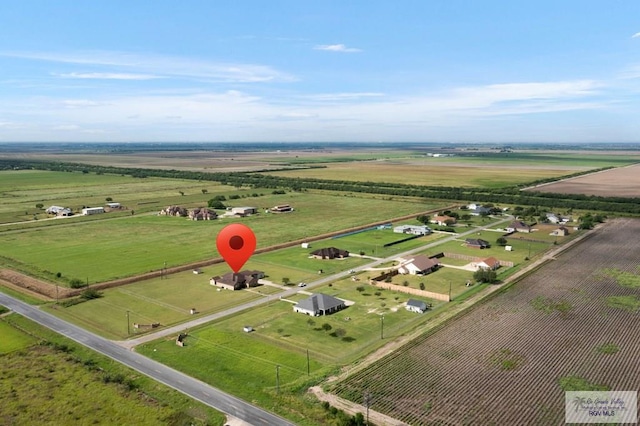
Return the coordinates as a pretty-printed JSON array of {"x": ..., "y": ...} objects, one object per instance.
[
  {"x": 92, "y": 210},
  {"x": 330, "y": 253},
  {"x": 443, "y": 220},
  {"x": 412, "y": 229},
  {"x": 244, "y": 211},
  {"x": 114, "y": 205},
  {"x": 419, "y": 265},
  {"x": 237, "y": 281},
  {"x": 59, "y": 211},
  {"x": 518, "y": 226},
  {"x": 283, "y": 208},
  {"x": 202, "y": 213},
  {"x": 417, "y": 306},
  {"x": 477, "y": 243},
  {"x": 479, "y": 210},
  {"x": 490, "y": 263},
  {"x": 319, "y": 304},
  {"x": 560, "y": 232}
]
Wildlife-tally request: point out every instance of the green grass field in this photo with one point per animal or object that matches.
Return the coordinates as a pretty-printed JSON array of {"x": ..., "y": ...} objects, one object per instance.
[
  {"x": 60, "y": 382},
  {"x": 22, "y": 189},
  {"x": 13, "y": 339},
  {"x": 101, "y": 250}
]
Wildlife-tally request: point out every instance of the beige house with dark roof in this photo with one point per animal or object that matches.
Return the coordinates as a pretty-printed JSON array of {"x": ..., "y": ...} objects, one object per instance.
[{"x": 419, "y": 265}]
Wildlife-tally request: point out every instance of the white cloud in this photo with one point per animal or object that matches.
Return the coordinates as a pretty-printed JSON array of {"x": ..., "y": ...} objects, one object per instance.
[
  {"x": 66, "y": 127},
  {"x": 636, "y": 35},
  {"x": 108, "y": 76},
  {"x": 337, "y": 48},
  {"x": 79, "y": 103},
  {"x": 128, "y": 64},
  {"x": 344, "y": 96}
]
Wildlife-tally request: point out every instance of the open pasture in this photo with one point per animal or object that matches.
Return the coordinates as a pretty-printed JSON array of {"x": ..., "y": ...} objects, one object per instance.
[
  {"x": 512, "y": 357},
  {"x": 21, "y": 190},
  {"x": 13, "y": 339},
  {"x": 372, "y": 241},
  {"x": 441, "y": 281},
  {"x": 102, "y": 250}
]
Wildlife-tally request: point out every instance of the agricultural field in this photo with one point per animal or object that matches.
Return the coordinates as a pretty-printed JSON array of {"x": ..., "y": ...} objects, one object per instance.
[
  {"x": 101, "y": 250},
  {"x": 571, "y": 325},
  {"x": 619, "y": 182},
  {"x": 58, "y": 382}
]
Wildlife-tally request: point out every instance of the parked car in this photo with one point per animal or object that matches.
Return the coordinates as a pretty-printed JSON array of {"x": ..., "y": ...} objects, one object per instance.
[{"x": 302, "y": 285}]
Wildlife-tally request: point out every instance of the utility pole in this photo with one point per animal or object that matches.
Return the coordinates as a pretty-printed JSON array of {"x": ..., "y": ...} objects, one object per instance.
[
  {"x": 128, "y": 326},
  {"x": 449, "y": 291},
  {"x": 308, "y": 366},
  {"x": 382, "y": 327},
  {"x": 277, "y": 379},
  {"x": 367, "y": 403}
]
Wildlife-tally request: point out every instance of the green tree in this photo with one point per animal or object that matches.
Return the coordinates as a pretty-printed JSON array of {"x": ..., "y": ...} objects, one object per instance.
[
  {"x": 326, "y": 326},
  {"x": 286, "y": 280},
  {"x": 484, "y": 275},
  {"x": 108, "y": 199},
  {"x": 214, "y": 203},
  {"x": 501, "y": 241},
  {"x": 421, "y": 286},
  {"x": 39, "y": 206},
  {"x": 204, "y": 191}
]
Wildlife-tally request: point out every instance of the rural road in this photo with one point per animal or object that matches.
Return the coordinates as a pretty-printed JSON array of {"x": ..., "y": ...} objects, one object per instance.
[
  {"x": 175, "y": 330},
  {"x": 181, "y": 382}
]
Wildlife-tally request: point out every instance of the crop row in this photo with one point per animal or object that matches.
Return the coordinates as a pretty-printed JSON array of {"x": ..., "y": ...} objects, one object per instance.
[{"x": 503, "y": 362}]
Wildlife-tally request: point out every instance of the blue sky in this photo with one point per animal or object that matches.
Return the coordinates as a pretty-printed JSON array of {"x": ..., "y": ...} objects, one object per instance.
[{"x": 414, "y": 71}]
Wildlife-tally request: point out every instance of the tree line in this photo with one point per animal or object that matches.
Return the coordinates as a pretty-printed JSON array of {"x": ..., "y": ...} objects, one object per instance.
[{"x": 505, "y": 195}]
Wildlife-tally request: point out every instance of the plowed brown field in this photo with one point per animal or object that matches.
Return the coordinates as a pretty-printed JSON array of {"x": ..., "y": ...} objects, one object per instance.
[
  {"x": 501, "y": 362},
  {"x": 619, "y": 182}
]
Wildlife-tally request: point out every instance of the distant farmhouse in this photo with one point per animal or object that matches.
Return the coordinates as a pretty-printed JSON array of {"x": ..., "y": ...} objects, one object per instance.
[
  {"x": 330, "y": 253},
  {"x": 284, "y": 208},
  {"x": 174, "y": 211},
  {"x": 477, "y": 243},
  {"x": 412, "y": 229},
  {"x": 319, "y": 304},
  {"x": 478, "y": 210},
  {"x": 419, "y": 265},
  {"x": 518, "y": 226},
  {"x": 59, "y": 211},
  {"x": 560, "y": 232},
  {"x": 417, "y": 306},
  {"x": 553, "y": 218},
  {"x": 237, "y": 281},
  {"x": 244, "y": 211},
  {"x": 92, "y": 210},
  {"x": 202, "y": 213},
  {"x": 443, "y": 220}
]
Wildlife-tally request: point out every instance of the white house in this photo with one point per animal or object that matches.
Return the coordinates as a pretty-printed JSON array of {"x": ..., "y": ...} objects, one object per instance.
[
  {"x": 92, "y": 210},
  {"x": 412, "y": 229},
  {"x": 114, "y": 205}
]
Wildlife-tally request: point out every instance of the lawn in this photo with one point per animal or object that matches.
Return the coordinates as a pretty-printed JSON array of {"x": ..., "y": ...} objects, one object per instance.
[
  {"x": 372, "y": 242},
  {"x": 13, "y": 339},
  {"x": 166, "y": 301},
  {"x": 102, "y": 250}
]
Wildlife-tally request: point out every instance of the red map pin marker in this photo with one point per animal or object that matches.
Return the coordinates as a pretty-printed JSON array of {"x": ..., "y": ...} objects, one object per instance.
[{"x": 236, "y": 243}]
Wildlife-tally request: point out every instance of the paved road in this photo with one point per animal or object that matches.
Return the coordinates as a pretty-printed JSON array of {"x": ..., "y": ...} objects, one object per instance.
[
  {"x": 194, "y": 388},
  {"x": 289, "y": 292}
]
